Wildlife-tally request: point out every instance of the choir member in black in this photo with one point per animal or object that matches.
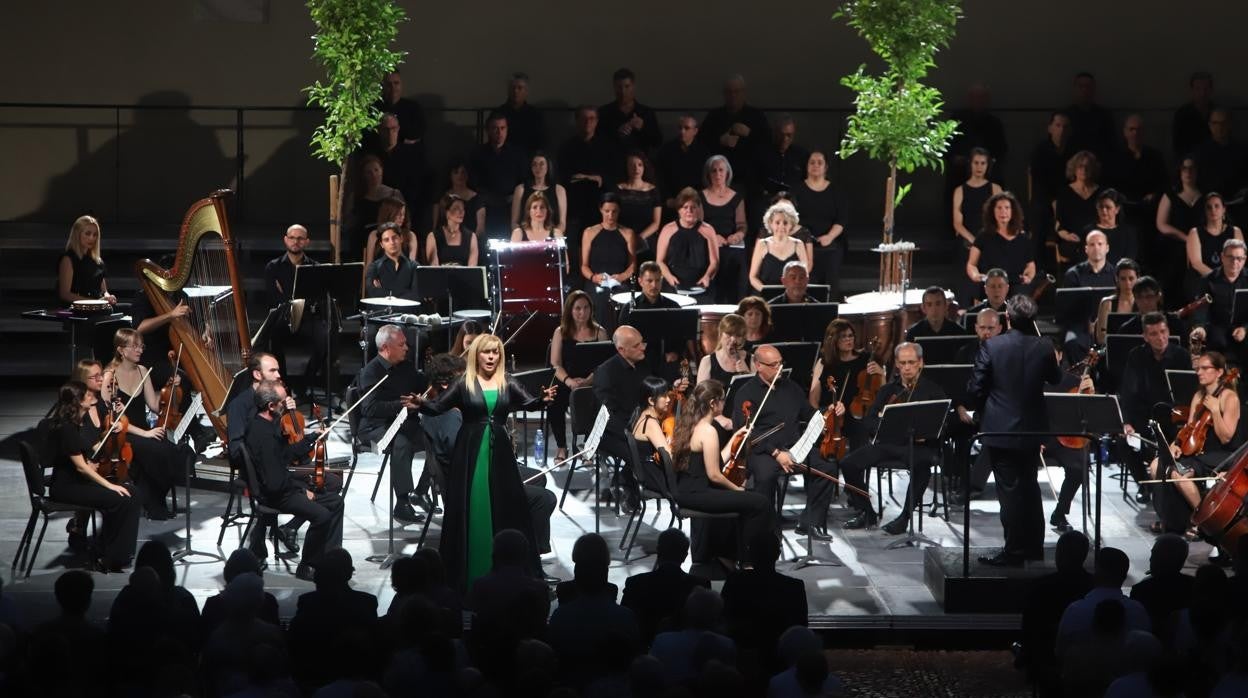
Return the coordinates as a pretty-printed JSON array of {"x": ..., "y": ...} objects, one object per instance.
[
  {"x": 451, "y": 243},
  {"x": 641, "y": 204},
  {"x": 157, "y": 462},
  {"x": 279, "y": 282},
  {"x": 781, "y": 163},
  {"x": 616, "y": 383},
  {"x": 1046, "y": 176},
  {"x": 771, "y": 254},
  {"x": 391, "y": 274},
  {"x": 528, "y": 132},
  {"x": 757, "y": 315},
  {"x": 969, "y": 198},
  {"x": 769, "y": 458},
  {"x": 585, "y": 162},
  {"x": 631, "y": 124},
  {"x": 540, "y": 178},
  {"x": 1007, "y": 385},
  {"x": 723, "y": 208},
  {"x": 463, "y": 338},
  {"x": 576, "y": 325},
  {"x": 1179, "y": 210},
  {"x": 392, "y": 210},
  {"x": 1126, "y": 273},
  {"x": 935, "y": 322},
  {"x": 484, "y": 494},
  {"x": 1074, "y": 461},
  {"x": 688, "y": 251},
  {"x": 1223, "y": 437},
  {"x": 1122, "y": 237},
  {"x": 910, "y": 386},
  {"x": 411, "y": 116},
  {"x": 80, "y": 274},
  {"x": 497, "y": 166},
  {"x": 608, "y": 257},
  {"x": 736, "y": 130},
  {"x": 834, "y": 377},
  {"x": 1205, "y": 241},
  {"x": 371, "y": 191},
  {"x": 963, "y": 424},
  {"x": 76, "y": 480},
  {"x": 1091, "y": 125},
  {"x": 457, "y": 186},
  {"x": 1003, "y": 244},
  {"x": 271, "y": 454},
  {"x": 1144, "y": 390},
  {"x": 1221, "y": 161},
  {"x": 699, "y": 455},
  {"x": 1074, "y": 207},
  {"x": 537, "y": 222},
  {"x": 402, "y": 163},
  {"x": 650, "y": 282},
  {"x": 680, "y": 162},
  {"x": 826, "y": 216},
  {"x": 381, "y": 407},
  {"x": 996, "y": 290},
  {"x": 1139, "y": 172},
  {"x": 978, "y": 128},
  {"x": 1094, "y": 272},
  {"x": 1190, "y": 125},
  {"x": 729, "y": 358},
  {"x": 795, "y": 281},
  {"x": 1213, "y": 323}
]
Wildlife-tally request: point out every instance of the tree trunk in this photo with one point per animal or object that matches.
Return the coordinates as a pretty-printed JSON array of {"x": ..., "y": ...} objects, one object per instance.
[{"x": 337, "y": 185}]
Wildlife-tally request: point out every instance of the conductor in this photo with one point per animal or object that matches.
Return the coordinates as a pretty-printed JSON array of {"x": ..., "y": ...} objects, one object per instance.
[{"x": 1008, "y": 385}]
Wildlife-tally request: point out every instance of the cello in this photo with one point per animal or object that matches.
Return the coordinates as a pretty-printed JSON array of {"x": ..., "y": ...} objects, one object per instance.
[{"x": 1220, "y": 515}]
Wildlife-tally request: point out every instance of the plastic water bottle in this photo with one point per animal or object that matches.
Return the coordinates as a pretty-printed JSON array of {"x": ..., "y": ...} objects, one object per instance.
[{"x": 539, "y": 447}]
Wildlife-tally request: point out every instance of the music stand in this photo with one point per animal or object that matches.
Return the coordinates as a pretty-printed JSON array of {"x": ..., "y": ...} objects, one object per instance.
[
  {"x": 944, "y": 350},
  {"x": 592, "y": 353},
  {"x": 1115, "y": 321},
  {"x": 799, "y": 360},
  {"x": 952, "y": 378},
  {"x": 671, "y": 329},
  {"x": 383, "y": 446},
  {"x": 1239, "y": 308},
  {"x": 178, "y": 438},
  {"x": 1095, "y": 417},
  {"x": 911, "y": 422},
  {"x": 1183, "y": 385},
  {"x": 535, "y": 381},
  {"x": 467, "y": 285},
  {"x": 820, "y": 292},
  {"x": 802, "y": 322},
  {"x": 1079, "y": 304},
  {"x": 332, "y": 282},
  {"x": 734, "y": 386}
]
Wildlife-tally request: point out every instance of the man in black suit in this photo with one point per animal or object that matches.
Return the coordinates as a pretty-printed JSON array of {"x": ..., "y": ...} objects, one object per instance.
[
  {"x": 760, "y": 603},
  {"x": 659, "y": 595},
  {"x": 617, "y": 383},
  {"x": 1008, "y": 383},
  {"x": 381, "y": 407}
]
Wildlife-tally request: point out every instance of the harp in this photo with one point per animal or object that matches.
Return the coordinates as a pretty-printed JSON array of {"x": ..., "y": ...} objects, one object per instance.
[{"x": 214, "y": 335}]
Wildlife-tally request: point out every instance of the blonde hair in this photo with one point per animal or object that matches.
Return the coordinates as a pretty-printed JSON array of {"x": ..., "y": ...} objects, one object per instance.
[
  {"x": 730, "y": 325},
  {"x": 122, "y": 338},
  {"x": 784, "y": 208},
  {"x": 83, "y": 368},
  {"x": 484, "y": 342},
  {"x": 74, "y": 244}
]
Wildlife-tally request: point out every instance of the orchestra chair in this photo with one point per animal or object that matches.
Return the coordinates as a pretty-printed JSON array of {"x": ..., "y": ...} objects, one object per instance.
[
  {"x": 260, "y": 512},
  {"x": 234, "y": 513},
  {"x": 643, "y": 495},
  {"x": 679, "y": 513},
  {"x": 41, "y": 504},
  {"x": 584, "y": 406},
  {"x": 937, "y": 483}
]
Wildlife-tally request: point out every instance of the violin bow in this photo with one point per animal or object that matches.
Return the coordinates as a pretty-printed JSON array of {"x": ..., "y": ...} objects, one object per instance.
[
  {"x": 100, "y": 445},
  {"x": 343, "y": 416},
  {"x": 750, "y": 428},
  {"x": 520, "y": 328}
]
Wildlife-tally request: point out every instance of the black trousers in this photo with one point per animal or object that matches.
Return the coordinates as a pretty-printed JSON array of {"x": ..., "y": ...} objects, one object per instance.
[
  {"x": 403, "y": 449},
  {"x": 542, "y": 503},
  {"x": 1022, "y": 516},
  {"x": 557, "y": 415},
  {"x": 325, "y": 514},
  {"x": 158, "y": 464},
  {"x": 712, "y": 538},
  {"x": 856, "y": 465},
  {"x": 119, "y": 531},
  {"x": 1074, "y": 463},
  {"x": 767, "y": 474},
  {"x": 333, "y": 485}
]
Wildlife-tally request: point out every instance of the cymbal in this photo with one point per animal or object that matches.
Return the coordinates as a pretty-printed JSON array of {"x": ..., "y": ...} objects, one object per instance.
[{"x": 389, "y": 302}]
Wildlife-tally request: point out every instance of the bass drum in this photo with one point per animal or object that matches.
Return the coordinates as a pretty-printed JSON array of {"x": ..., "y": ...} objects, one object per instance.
[{"x": 530, "y": 275}]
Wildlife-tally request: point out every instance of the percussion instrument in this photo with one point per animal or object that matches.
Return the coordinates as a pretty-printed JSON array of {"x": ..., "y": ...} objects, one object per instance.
[
  {"x": 530, "y": 275},
  {"x": 90, "y": 306},
  {"x": 885, "y": 316},
  {"x": 389, "y": 302},
  {"x": 622, "y": 299},
  {"x": 708, "y": 318}
]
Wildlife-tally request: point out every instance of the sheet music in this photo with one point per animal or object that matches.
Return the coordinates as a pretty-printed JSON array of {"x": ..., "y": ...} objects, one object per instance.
[
  {"x": 393, "y": 429},
  {"x": 814, "y": 430},
  {"x": 595, "y": 433},
  {"x": 192, "y": 413}
]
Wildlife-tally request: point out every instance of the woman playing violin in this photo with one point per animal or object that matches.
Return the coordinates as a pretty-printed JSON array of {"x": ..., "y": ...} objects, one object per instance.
[
  {"x": 655, "y": 405},
  {"x": 1220, "y": 399},
  {"x": 840, "y": 364}
]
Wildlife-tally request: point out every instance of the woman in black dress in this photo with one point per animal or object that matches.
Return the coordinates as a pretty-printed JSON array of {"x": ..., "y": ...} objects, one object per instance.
[
  {"x": 75, "y": 479},
  {"x": 723, "y": 208},
  {"x": 608, "y": 253},
  {"x": 969, "y": 198},
  {"x": 1123, "y": 238},
  {"x": 451, "y": 243},
  {"x": 484, "y": 494},
  {"x": 824, "y": 214},
  {"x": 80, "y": 273},
  {"x": 457, "y": 185},
  {"x": 1204, "y": 242},
  {"x": 688, "y": 250},
  {"x": 772, "y": 253},
  {"x": 365, "y": 206},
  {"x": 641, "y": 206},
  {"x": 1178, "y": 211},
  {"x": 1075, "y": 206},
  {"x": 653, "y": 408},
  {"x": 1002, "y": 244},
  {"x": 729, "y": 358},
  {"x": 834, "y": 378},
  {"x": 577, "y": 325},
  {"x": 541, "y": 178},
  {"x": 757, "y": 315}
]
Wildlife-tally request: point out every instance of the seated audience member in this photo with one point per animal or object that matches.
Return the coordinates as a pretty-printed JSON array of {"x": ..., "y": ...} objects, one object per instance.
[
  {"x": 1046, "y": 598},
  {"x": 497, "y": 167},
  {"x": 757, "y": 315},
  {"x": 761, "y": 603},
  {"x": 1179, "y": 210},
  {"x": 1213, "y": 324},
  {"x": 795, "y": 280},
  {"x": 508, "y": 604},
  {"x": 682, "y": 651},
  {"x": 1108, "y": 577},
  {"x": 540, "y": 179},
  {"x": 641, "y": 204},
  {"x": 630, "y": 124},
  {"x": 806, "y": 668},
  {"x": 215, "y": 611},
  {"x": 608, "y": 258},
  {"x": 589, "y": 576},
  {"x": 1203, "y": 630},
  {"x": 680, "y": 162},
  {"x": 1003, "y": 244},
  {"x": 452, "y": 242},
  {"x": 935, "y": 322},
  {"x": 528, "y": 131},
  {"x": 408, "y": 578},
  {"x": 772, "y": 254},
  {"x": 688, "y": 251},
  {"x": 657, "y": 597},
  {"x": 1109, "y": 650},
  {"x": 329, "y": 611},
  {"x": 723, "y": 208},
  {"x": 439, "y": 592},
  {"x": 1166, "y": 590},
  {"x": 456, "y": 185},
  {"x": 1075, "y": 205},
  {"x": 1121, "y": 237},
  {"x": 239, "y": 633},
  {"x": 825, "y": 215},
  {"x": 71, "y": 630}
]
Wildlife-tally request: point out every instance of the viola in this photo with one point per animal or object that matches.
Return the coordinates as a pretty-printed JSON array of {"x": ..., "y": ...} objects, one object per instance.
[
  {"x": 169, "y": 411},
  {"x": 293, "y": 425},
  {"x": 834, "y": 443},
  {"x": 115, "y": 453},
  {"x": 1094, "y": 355},
  {"x": 735, "y": 469},
  {"x": 1191, "y": 438},
  {"x": 868, "y": 385}
]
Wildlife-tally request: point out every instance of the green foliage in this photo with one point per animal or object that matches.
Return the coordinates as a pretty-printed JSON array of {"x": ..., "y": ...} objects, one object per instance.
[
  {"x": 352, "y": 42},
  {"x": 905, "y": 33}
]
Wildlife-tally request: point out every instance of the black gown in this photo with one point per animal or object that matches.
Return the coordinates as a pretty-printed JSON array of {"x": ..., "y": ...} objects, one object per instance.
[
  {"x": 155, "y": 467},
  {"x": 508, "y": 503}
]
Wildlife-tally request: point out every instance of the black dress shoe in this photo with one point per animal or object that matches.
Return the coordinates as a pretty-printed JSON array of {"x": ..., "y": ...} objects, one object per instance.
[
  {"x": 1059, "y": 522},
  {"x": 897, "y": 525},
  {"x": 406, "y": 514},
  {"x": 1144, "y": 496},
  {"x": 865, "y": 519},
  {"x": 305, "y": 572},
  {"x": 161, "y": 514},
  {"x": 813, "y": 532},
  {"x": 1002, "y": 559},
  {"x": 550, "y": 580},
  {"x": 289, "y": 536}
]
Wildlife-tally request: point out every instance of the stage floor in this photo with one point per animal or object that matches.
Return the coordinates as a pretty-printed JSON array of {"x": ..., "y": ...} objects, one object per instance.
[{"x": 873, "y": 588}]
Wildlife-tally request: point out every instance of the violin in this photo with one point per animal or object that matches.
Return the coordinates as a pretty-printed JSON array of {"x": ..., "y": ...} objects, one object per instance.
[
  {"x": 834, "y": 444},
  {"x": 169, "y": 410},
  {"x": 1094, "y": 355},
  {"x": 293, "y": 425},
  {"x": 114, "y": 453},
  {"x": 675, "y": 399},
  {"x": 1191, "y": 438},
  {"x": 868, "y": 385},
  {"x": 735, "y": 469}
]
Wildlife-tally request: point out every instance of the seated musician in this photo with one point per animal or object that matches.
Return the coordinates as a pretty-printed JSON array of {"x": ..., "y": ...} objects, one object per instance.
[
  {"x": 650, "y": 280},
  {"x": 1144, "y": 391},
  {"x": 1126, "y": 273},
  {"x": 796, "y": 279},
  {"x": 1093, "y": 272},
  {"x": 157, "y": 462},
  {"x": 961, "y": 431},
  {"x": 698, "y": 457},
  {"x": 1213, "y": 324},
  {"x": 271, "y": 454},
  {"x": 729, "y": 358},
  {"x": 935, "y": 322},
  {"x": 835, "y": 376},
  {"x": 996, "y": 290},
  {"x": 768, "y": 457},
  {"x": 381, "y": 407},
  {"x": 616, "y": 383},
  {"x": 757, "y": 315},
  {"x": 391, "y": 274},
  {"x": 688, "y": 250},
  {"x": 1219, "y": 400},
  {"x": 608, "y": 256},
  {"x": 279, "y": 282},
  {"x": 654, "y": 406},
  {"x": 1148, "y": 299},
  {"x": 576, "y": 325},
  {"x": 1074, "y": 461},
  {"x": 80, "y": 275},
  {"x": 76, "y": 480},
  {"x": 910, "y": 386}
]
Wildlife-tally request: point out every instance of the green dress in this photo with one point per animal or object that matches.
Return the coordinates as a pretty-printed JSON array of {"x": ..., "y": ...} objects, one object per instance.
[{"x": 480, "y": 509}]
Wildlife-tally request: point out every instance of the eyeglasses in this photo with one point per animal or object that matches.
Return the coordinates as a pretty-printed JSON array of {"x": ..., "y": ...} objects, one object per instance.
[
  {"x": 768, "y": 364},
  {"x": 297, "y": 238},
  {"x": 1206, "y": 368},
  {"x": 1234, "y": 258}
]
